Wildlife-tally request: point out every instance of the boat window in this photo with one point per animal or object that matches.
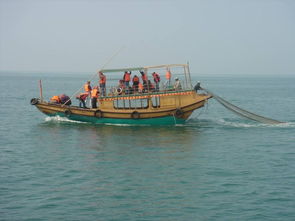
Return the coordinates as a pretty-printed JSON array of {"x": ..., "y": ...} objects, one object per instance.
[
  {"x": 131, "y": 104},
  {"x": 156, "y": 101},
  {"x": 126, "y": 104},
  {"x": 144, "y": 103},
  {"x": 135, "y": 103}
]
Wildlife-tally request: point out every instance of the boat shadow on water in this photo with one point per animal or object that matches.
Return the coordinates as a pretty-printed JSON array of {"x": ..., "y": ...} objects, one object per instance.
[{"x": 102, "y": 136}]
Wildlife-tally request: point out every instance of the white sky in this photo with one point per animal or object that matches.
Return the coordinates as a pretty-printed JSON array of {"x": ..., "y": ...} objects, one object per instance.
[{"x": 215, "y": 36}]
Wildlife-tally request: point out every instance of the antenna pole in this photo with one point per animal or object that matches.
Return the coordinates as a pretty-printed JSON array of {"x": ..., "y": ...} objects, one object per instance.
[{"x": 41, "y": 90}]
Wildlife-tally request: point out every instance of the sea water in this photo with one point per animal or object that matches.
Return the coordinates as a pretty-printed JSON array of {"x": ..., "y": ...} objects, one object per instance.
[{"x": 217, "y": 166}]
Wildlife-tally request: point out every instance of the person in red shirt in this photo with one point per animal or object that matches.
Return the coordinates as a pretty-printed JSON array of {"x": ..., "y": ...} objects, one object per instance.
[{"x": 156, "y": 80}]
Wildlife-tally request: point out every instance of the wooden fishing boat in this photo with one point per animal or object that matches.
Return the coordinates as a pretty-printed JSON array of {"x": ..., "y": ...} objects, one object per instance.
[{"x": 166, "y": 106}]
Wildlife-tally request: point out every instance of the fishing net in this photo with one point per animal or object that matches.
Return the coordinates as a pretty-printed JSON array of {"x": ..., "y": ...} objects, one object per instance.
[{"x": 242, "y": 112}]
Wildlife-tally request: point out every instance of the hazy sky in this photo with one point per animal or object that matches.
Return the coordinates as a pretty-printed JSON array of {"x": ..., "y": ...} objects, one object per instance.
[{"x": 215, "y": 36}]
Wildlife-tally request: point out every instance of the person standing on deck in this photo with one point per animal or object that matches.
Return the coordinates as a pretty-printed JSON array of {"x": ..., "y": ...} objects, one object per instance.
[
  {"x": 126, "y": 79},
  {"x": 140, "y": 88},
  {"x": 177, "y": 84},
  {"x": 156, "y": 80},
  {"x": 94, "y": 96},
  {"x": 87, "y": 89},
  {"x": 168, "y": 78},
  {"x": 144, "y": 80},
  {"x": 198, "y": 86},
  {"x": 102, "y": 83},
  {"x": 135, "y": 81}
]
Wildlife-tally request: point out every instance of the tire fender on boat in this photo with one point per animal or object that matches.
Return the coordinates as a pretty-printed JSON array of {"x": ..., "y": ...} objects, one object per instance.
[
  {"x": 68, "y": 113},
  {"x": 135, "y": 115},
  {"x": 179, "y": 113},
  {"x": 34, "y": 101},
  {"x": 119, "y": 91},
  {"x": 98, "y": 114}
]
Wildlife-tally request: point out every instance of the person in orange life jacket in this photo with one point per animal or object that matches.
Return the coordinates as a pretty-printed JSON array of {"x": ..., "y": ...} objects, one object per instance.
[
  {"x": 82, "y": 97},
  {"x": 87, "y": 89},
  {"x": 55, "y": 99},
  {"x": 140, "y": 87},
  {"x": 156, "y": 80},
  {"x": 168, "y": 77},
  {"x": 126, "y": 79},
  {"x": 144, "y": 79},
  {"x": 135, "y": 81},
  {"x": 102, "y": 83},
  {"x": 94, "y": 96}
]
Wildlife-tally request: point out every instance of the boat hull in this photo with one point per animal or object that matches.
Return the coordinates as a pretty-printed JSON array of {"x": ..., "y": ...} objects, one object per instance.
[
  {"x": 168, "y": 120},
  {"x": 106, "y": 114}
]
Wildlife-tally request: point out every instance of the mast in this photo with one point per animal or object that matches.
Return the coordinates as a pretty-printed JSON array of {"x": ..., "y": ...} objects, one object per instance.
[
  {"x": 189, "y": 75},
  {"x": 41, "y": 90}
]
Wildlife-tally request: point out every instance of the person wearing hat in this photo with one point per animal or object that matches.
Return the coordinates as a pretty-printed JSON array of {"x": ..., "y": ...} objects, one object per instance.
[{"x": 177, "y": 84}]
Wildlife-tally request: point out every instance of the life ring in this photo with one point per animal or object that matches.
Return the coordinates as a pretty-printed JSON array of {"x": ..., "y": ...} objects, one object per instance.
[
  {"x": 34, "y": 101},
  {"x": 119, "y": 91},
  {"x": 135, "y": 115},
  {"x": 98, "y": 114},
  {"x": 68, "y": 113},
  {"x": 179, "y": 113}
]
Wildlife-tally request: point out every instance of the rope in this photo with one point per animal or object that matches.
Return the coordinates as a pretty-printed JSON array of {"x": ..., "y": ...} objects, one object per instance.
[{"x": 105, "y": 64}]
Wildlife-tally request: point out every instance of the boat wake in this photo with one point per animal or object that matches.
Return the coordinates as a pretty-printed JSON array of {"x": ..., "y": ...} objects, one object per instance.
[
  {"x": 193, "y": 122},
  {"x": 233, "y": 123},
  {"x": 229, "y": 123},
  {"x": 62, "y": 119}
]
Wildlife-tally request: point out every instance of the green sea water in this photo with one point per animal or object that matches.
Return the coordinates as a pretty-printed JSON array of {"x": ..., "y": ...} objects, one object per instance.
[{"x": 217, "y": 166}]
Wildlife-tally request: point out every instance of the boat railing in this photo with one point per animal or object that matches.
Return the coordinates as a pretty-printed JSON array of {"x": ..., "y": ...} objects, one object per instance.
[{"x": 114, "y": 91}]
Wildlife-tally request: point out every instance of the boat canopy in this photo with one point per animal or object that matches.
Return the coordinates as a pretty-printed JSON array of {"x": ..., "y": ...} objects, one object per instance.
[{"x": 143, "y": 68}]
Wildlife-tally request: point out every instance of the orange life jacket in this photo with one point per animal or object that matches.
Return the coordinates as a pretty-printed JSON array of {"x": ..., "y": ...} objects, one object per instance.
[
  {"x": 55, "y": 99},
  {"x": 94, "y": 93},
  {"x": 140, "y": 86},
  {"x": 87, "y": 87},
  {"x": 126, "y": 77},
  {"x": 135, "y": 79},
  {"x": 144, "y": 77},
  {"x": 168, "y": 75},
  {"x": 103, "y": 79}
]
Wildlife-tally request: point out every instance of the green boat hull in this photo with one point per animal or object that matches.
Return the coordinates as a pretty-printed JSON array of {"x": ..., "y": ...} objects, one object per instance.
[{"x": 169, "y": 120}]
